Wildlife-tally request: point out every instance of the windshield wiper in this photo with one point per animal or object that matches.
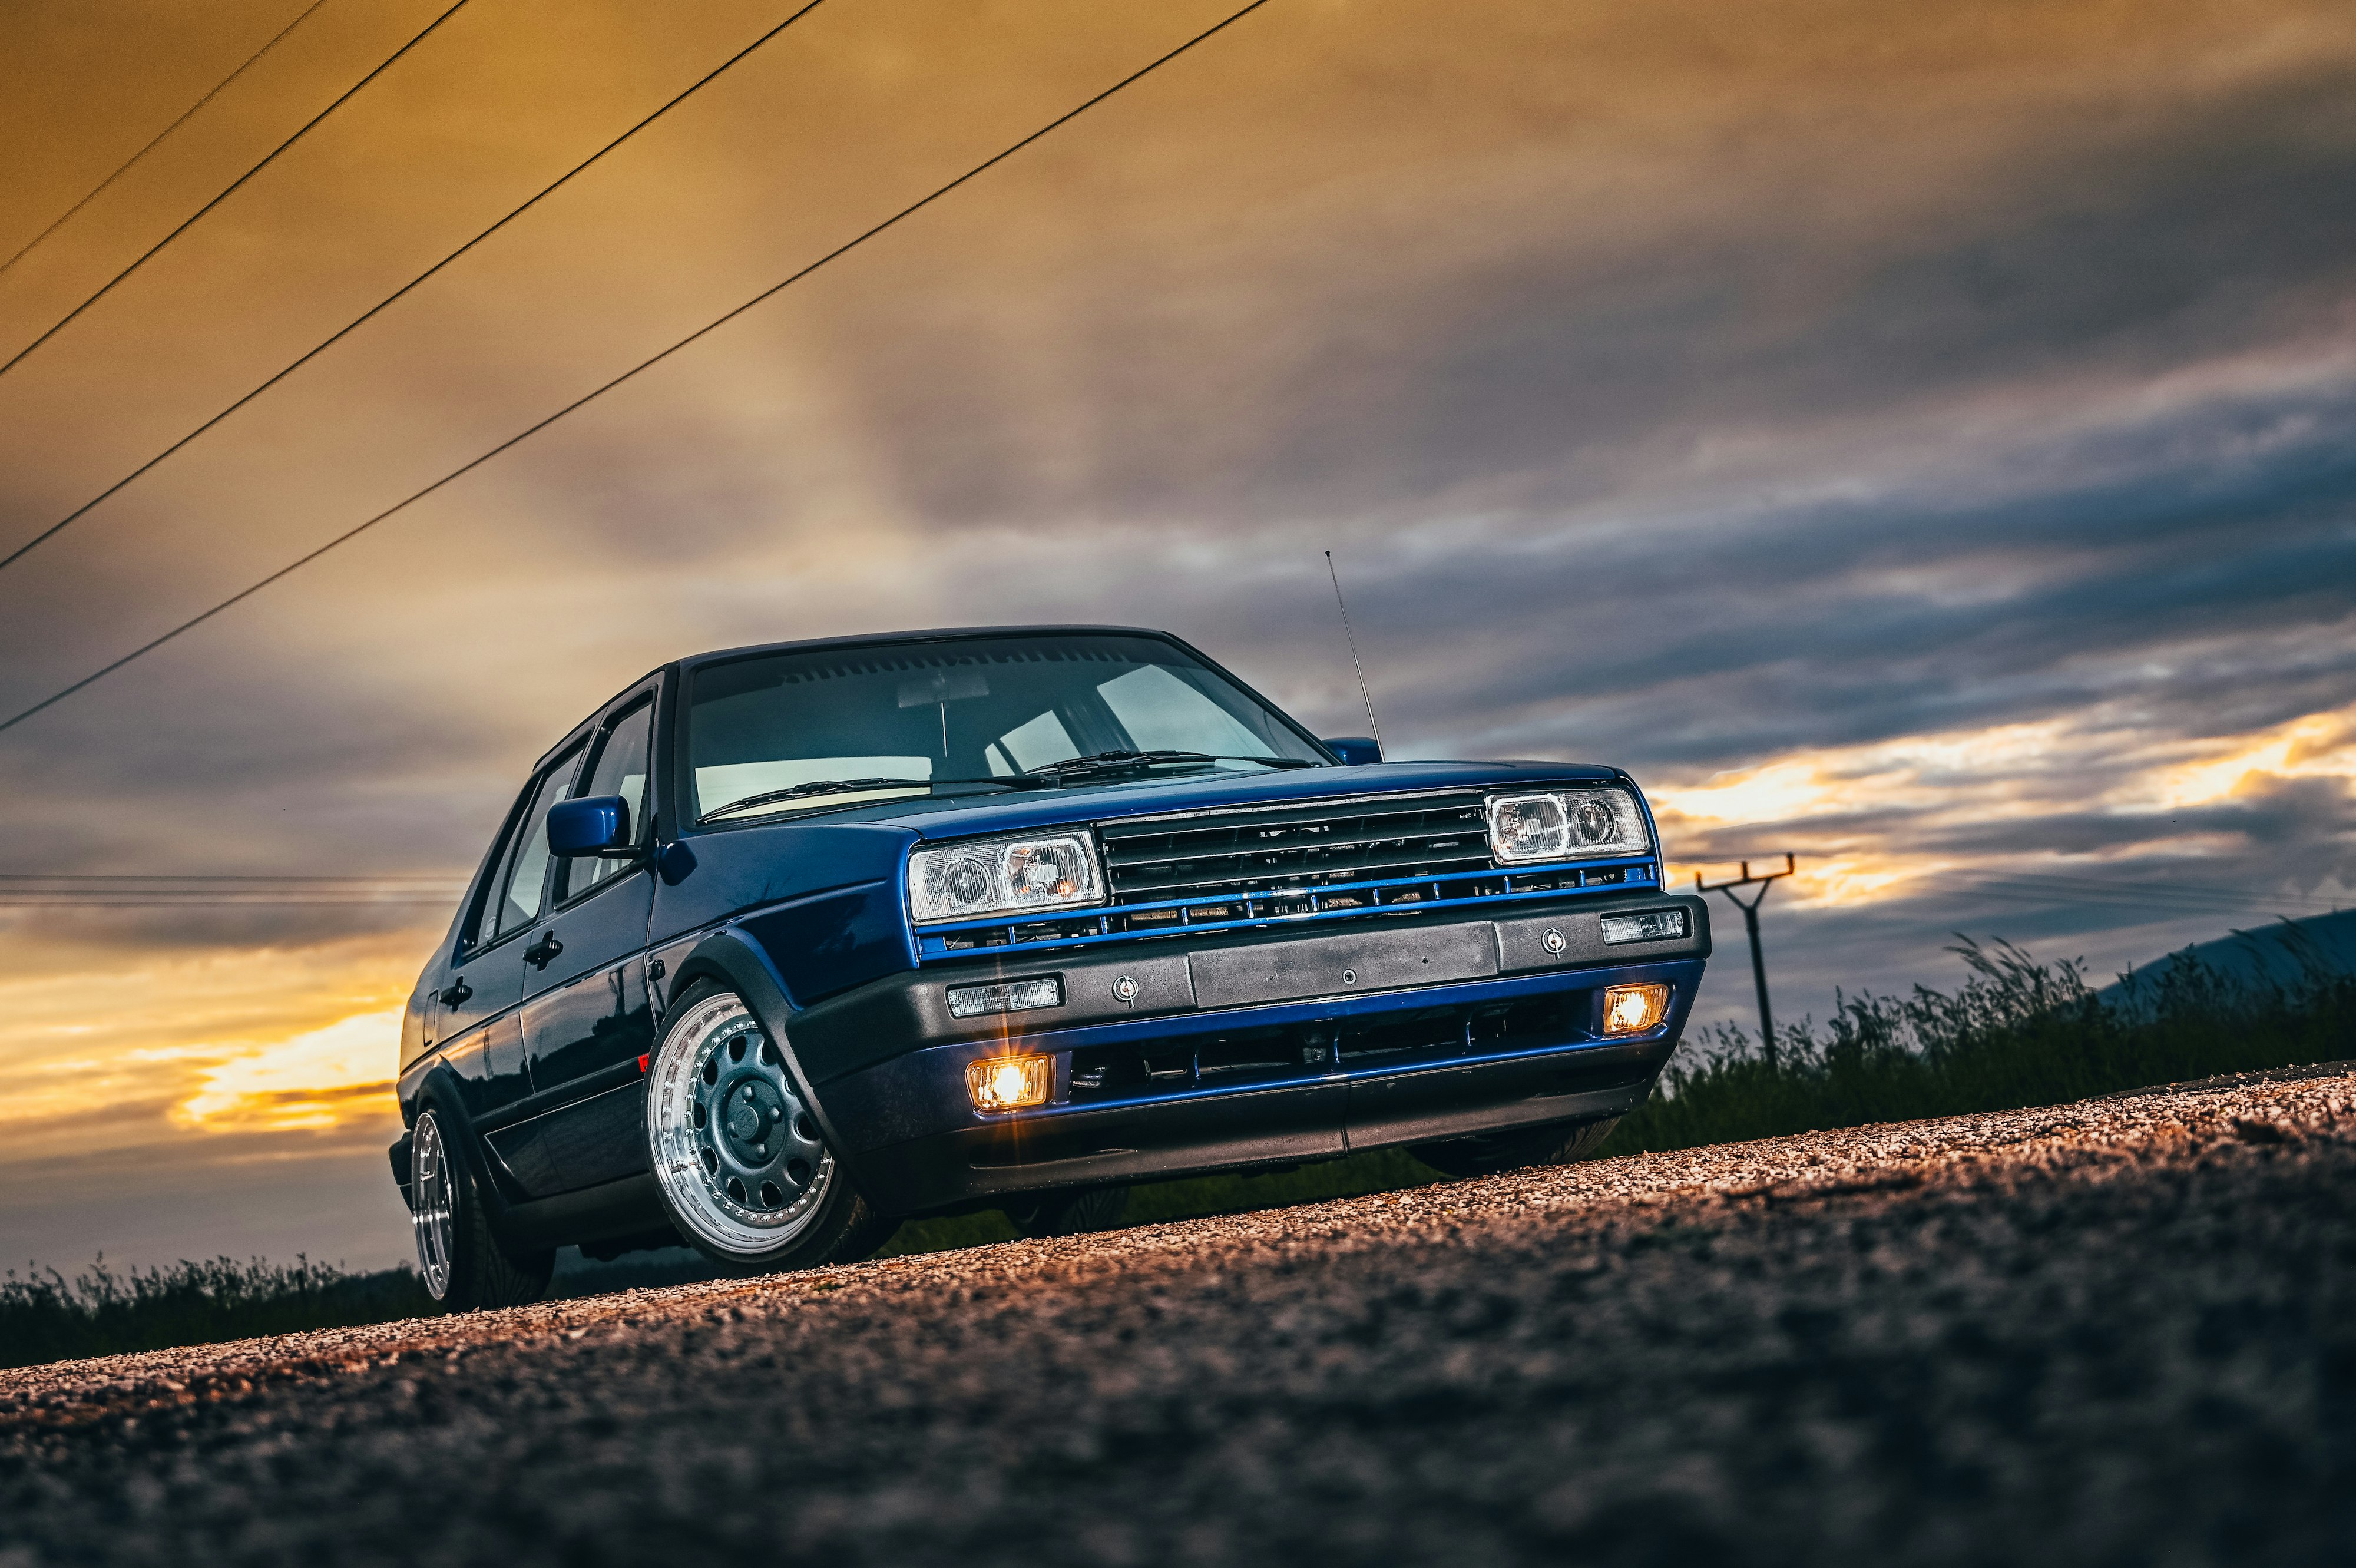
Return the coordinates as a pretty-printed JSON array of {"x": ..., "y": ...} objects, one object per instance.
[
  {"x": 815, "y": 787},
  {"x": 1132, "y": 761},
  {"x": 846, "y": 786},
  {"x": 1047, "y": 776}
]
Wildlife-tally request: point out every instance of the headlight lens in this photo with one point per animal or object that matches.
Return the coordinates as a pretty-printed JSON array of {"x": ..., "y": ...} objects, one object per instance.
[
  {"x": 1565, "y": 824},
  {"x": 966, "y": 881}
]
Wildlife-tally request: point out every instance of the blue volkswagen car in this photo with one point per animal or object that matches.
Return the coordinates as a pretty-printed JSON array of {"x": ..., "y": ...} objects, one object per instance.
[{"x": 784, "y": 945}]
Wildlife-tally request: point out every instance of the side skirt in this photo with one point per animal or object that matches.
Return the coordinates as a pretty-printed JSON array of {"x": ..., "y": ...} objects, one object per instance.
[{"x": 624, "y": 1208}]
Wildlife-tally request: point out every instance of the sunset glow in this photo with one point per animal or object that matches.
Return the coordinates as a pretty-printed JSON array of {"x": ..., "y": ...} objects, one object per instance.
[{"x": 1916, "y": 439}]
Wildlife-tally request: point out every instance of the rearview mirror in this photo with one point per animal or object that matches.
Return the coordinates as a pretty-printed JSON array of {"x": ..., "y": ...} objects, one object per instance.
[
  {"x": 593, "y": 825},
  {"x": 1354, "y": 750}
]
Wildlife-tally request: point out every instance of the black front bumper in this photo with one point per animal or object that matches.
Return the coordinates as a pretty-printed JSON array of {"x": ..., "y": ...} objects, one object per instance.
[{"x": 1246, "y": 1051}]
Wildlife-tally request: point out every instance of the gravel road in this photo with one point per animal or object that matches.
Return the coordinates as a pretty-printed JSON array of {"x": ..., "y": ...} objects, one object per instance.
[{"x": 2117, "y": 1332}]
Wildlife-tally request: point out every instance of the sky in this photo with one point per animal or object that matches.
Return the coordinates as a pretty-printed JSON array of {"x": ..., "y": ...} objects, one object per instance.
[{"x": 1921, "y": 439}]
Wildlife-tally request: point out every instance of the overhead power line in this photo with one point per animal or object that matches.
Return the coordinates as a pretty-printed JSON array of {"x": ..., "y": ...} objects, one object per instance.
[
  {"x": 381, "y": 305},
  {"x": 107, "y": 287},
  {"x": 224, "y": 901},
  {"x": 157, "y": 140},
  {"x": 2160, "y": 898},
  {"x": 716, "y": 324},
  {"x": 25, "y": 889},
  {"x": 438, "y": 878}
]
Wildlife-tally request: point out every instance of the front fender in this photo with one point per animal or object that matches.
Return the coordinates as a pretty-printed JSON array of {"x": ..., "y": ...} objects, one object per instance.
[{"x": 734, "y": 959}]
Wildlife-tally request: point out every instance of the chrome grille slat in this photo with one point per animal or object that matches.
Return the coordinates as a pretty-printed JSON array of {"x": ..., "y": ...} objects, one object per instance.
[
  {"x": 1279, "y": 850},
  {"x": 1238, "y": 880},
  {"x": 1288, "y": 836}
]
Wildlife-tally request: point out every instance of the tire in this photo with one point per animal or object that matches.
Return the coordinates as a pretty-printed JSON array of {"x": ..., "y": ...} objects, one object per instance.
[
  {"x": 1076, "y": 1211},
  {"x": 745, "y": 1175},
  {"x": 1486, "y": 1154},
  {"x": 465, "y": 1267}
]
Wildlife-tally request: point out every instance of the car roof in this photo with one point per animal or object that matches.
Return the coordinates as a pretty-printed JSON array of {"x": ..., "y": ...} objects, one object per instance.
[{"x": 939, "y": 634}]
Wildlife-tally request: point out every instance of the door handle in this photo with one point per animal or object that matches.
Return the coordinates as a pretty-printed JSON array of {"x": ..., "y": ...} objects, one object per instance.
[
  {"x": 457, "y": 991},
  {"x": 542, "y": 953}
]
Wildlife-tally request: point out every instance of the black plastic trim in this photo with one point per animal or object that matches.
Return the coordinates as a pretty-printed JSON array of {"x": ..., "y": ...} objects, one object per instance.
[{"x": 904, "y": 1013}]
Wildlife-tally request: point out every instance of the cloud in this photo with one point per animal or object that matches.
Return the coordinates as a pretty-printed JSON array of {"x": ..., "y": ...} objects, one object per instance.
[
  {"x": 1921, "y": 438},
  {"x": 315, "y": 1079}
]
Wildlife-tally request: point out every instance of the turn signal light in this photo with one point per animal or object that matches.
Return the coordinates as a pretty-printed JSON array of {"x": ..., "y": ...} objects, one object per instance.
[
  {"x": 1008, "y": 996},
  {"x": 1008, "y": 1083},
  {"x": 1632, "y": 1009}
]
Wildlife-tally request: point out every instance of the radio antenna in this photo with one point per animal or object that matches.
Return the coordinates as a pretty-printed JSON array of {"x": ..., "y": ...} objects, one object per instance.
[{"x": 1372, "y": 723}]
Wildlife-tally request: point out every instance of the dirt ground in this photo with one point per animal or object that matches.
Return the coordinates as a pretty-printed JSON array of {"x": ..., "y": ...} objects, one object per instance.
[{"x": 2118, "y": 1332}]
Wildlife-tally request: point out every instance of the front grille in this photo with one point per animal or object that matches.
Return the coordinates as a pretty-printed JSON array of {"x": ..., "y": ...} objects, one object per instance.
[
  {"x": 1314, "y": 861},
  {"x": 1283, "y": 851}
]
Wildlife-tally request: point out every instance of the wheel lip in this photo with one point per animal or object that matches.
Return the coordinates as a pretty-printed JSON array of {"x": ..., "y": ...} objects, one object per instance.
[
  {"x": 432, "y": 1215},
  {"x": 715, "y": 1221}
]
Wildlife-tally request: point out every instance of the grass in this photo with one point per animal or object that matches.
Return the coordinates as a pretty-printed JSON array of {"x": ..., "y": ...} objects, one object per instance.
[
  {"x": 46, "y": 1317},
  {"x": 2018, "y": 1032}
]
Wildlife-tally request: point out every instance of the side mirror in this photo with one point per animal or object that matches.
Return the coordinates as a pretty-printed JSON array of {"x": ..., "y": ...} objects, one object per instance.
[
  {"x": 1354, "y": 750},
  {"x": 593, "y": 825}
]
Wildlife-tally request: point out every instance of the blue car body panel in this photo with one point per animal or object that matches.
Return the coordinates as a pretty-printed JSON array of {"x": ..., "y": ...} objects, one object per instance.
[{"x": 1224, "y": 1037}]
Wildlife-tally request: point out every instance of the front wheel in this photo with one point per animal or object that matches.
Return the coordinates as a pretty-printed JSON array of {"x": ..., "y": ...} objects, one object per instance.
[
  {"x": 742, "y": 1168},
  {"x": 1486, "y": 1154},
  {"x": 464, "y": 1265}
]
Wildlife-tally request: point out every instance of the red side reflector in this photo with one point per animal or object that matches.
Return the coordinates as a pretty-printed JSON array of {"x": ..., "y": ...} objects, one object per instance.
[{"x": 642, "y": 1062}]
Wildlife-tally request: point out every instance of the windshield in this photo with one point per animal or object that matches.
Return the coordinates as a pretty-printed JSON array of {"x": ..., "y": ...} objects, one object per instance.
[{"x": 969, "y": 709}]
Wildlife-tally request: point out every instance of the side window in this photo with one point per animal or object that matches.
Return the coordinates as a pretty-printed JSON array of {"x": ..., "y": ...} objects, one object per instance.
[
  {"x": 526, "y": 880},
  {"x": 620, "y": 769},
  {"x": 484, "y": 916}
]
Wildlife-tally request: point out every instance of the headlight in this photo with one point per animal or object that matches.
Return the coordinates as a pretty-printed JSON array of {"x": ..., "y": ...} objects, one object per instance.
[
  {"x": 1565, "y": 824},
  {"x": 965, "y": 881}
]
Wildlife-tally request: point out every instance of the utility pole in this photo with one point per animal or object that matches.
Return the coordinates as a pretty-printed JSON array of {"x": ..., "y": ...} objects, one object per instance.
[{"x": 1763, "y": 882}]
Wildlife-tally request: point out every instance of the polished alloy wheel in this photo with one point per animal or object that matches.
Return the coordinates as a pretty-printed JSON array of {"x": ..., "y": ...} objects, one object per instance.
[
  {"x": 433, "y": 1196},
  {"x": 730, "y": 1138}
]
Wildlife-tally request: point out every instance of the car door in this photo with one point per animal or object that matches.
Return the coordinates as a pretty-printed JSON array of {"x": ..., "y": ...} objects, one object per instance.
[
  {"x": 481, "y": 985},
  {"x": 587, "y": 1017},
  {"x": 479, "y": 1010}
]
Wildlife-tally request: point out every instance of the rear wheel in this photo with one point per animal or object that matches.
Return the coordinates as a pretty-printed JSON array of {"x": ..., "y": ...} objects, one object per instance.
[
  {"x": 744, "y": 1170},
  {"x": 1069, "y": 1213},
  {"x": 1485, "y": 1153},
  {"x": 464, "y": 1265}
]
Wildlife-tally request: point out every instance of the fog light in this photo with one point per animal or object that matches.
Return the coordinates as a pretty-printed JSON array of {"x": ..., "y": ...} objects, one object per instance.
[
  {"x": 1008, "y": 996},
  {"x": 1632, "y": 1009},
  {"x": 1008, "y": 1083}
]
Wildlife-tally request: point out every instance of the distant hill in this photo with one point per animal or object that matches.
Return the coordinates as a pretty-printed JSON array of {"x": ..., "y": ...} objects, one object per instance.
[{"x": 2278, "y": 954}]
